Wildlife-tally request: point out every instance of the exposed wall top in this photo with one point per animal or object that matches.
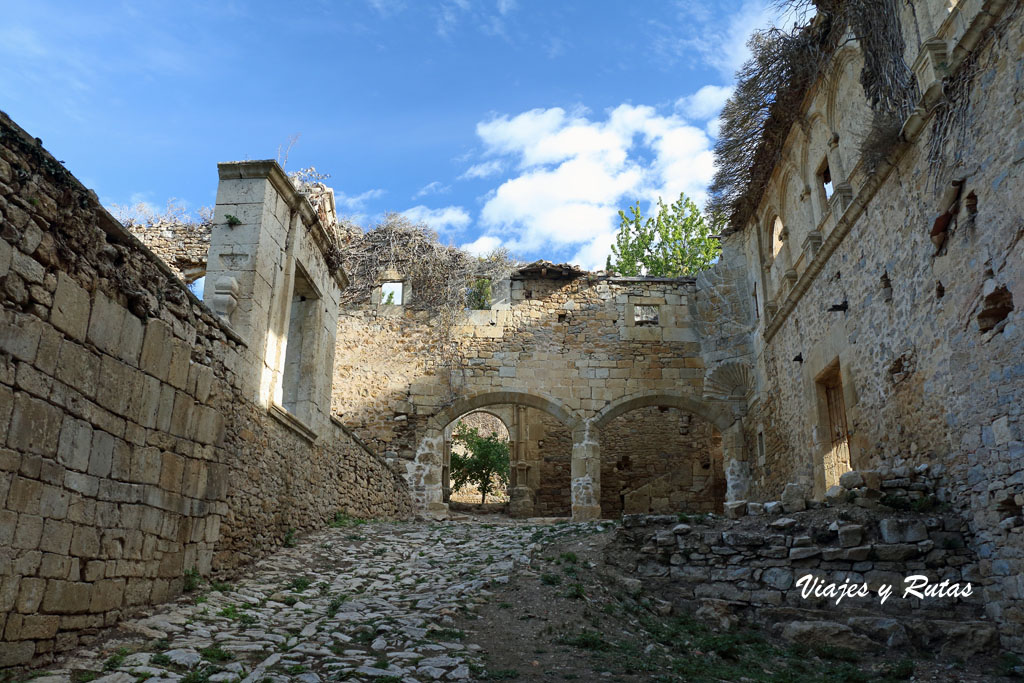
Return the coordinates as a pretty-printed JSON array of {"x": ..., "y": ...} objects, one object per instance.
[{"x": 270, "y": 169}]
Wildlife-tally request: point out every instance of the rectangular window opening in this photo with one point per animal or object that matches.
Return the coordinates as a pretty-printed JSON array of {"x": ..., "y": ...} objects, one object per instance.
[
  {"x": 645, "y": 315},
  {"x": 299, "y": 358},
  {"x": 826, "y": 180},
  {"x": 478, "y": 295},
  {"x": 391, "y": 294}
]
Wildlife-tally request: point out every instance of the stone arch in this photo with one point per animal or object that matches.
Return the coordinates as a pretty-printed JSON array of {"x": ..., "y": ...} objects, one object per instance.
[
  {"x": 502, "y": 418},
  {"x": 424, "y": 472},
  {"x": 771, "y": 253},
  {"x": 819, "y": 154},
  {"x": 468, "y": 404},
  {"x": 840, "y": 60},
  {"x": 660, "y": 459},
  {"x": 723, "y": 415},
  {"x": 716, "y": 415}
]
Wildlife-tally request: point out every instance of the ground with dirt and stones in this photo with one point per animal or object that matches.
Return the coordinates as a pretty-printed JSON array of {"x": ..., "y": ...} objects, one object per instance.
[{"x": 482, "y": 598}]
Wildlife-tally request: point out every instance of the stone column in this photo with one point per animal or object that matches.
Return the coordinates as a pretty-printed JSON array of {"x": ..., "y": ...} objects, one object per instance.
[
  {"x": 521, "y": 502},
  {"x": 424, "y": 474},
  {"x": 735, "y": 463},
  {"x": 247, "y": 252},
  {"x": 586, "y": 473}
]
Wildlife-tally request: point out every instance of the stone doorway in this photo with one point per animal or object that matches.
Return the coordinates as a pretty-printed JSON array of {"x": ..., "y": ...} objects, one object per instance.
[
  {"x": 662, "y": 460},
  {"x": 486, "y": 422},
  {"x": 836, "y": 457}
]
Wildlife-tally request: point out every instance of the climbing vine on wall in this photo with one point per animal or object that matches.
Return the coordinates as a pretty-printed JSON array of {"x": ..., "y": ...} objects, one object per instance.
[{"x": 772, "y": 85}]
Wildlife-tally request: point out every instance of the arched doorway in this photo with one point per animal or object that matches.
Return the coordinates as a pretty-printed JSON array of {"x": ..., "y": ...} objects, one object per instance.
[
  {"x": 541, "y": 438},
  {"x": 495, "y": 420},
  {"x": 660, "y": 460}
]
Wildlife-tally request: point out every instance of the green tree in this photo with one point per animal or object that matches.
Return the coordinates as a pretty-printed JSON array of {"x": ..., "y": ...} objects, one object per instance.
[
  {"x": 485, "y": 463},
  {"x": 478, "y": 295},
  {"x": 676, "y": 242}
]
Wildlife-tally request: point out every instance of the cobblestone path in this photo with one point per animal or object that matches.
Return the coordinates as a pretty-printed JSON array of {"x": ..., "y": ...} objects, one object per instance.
[{"x": 366, "y": 601}]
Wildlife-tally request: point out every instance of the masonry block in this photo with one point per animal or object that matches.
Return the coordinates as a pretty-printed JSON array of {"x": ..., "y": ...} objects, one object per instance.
[
  {"x": 19, "y": 335},
  {"x": 34, "y": 426},
  {"x": 105, "y": 323},
  {"x": 78, "y": 367},
  {"x": 75, "y": 444},
  {"x": 67, "y": 597},
  {"x": 56, "y": 538},
  {"x": 156, "y": 349},
  {"x": 28, "y": 532}
]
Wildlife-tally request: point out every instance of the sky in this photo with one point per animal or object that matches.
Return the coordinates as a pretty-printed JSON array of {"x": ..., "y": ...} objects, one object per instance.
[{"x": 525, "y": 124}]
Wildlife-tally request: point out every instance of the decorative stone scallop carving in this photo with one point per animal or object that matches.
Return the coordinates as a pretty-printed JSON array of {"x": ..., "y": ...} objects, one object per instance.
[{"x": 729, "y": 381}]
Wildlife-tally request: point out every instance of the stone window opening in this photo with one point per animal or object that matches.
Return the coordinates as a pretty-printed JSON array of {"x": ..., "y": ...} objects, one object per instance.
[
  {"x": 825, "y": 179},
  {"x": 776, "y": 236},
  {"x": 300, "y": 348},
  {"x": 392, "y": 294},
  {"x": 761, "y": 457},
  {"x": 645, "y": 315},
  {"x": 479, "y": 295}
]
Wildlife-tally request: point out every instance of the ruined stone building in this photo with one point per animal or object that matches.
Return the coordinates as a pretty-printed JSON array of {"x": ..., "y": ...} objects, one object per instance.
[{"x": 864, "y": 314}]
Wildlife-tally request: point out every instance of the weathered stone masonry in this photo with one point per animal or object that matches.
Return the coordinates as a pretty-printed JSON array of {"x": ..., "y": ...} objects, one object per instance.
[
  {"x": 893, "y": 304},
  {"x": 564, "y": 342},
  {"x": 139, "y": 433}
]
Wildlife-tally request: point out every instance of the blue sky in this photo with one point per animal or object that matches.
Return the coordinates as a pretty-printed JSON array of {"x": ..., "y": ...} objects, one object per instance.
[{"x": 522, "y": 123}]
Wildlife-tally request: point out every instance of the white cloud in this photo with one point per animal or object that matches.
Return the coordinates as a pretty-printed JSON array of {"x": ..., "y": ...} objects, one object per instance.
[
  {"x": 483, "y": 245},
  {"x": 435, "y": 187},
  {"x": 575, "y": 172},
  {"x": 704, "y": 104},
  {"x": 483, "y": 170},
  {"x": 356, "y": 202},
  {"x": 447, "y": 218},
  {"x": 718, "y": 33}
]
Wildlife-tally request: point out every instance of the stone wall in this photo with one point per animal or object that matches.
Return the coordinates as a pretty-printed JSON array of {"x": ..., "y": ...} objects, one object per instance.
[
  {"x": 753, "y": 568},
  {"x": 905, "y": 285},
  {"x": 567, "y": 343},
  {"x": 660, "y": 460},
  {"x": 132, "y": 449},
  {"x": 182, "y": 246},
  {"x": 550, "y": 449}
]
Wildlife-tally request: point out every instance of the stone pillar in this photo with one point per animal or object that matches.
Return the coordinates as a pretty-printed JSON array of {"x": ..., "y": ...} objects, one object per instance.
[
  {"x": 424, "y": 475},
  {"x": 735, "y": 463},
  {"x": 271, "y": 280},
  {"x": 586, "y": 473},
  {"x": 521, "y": 500}
]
